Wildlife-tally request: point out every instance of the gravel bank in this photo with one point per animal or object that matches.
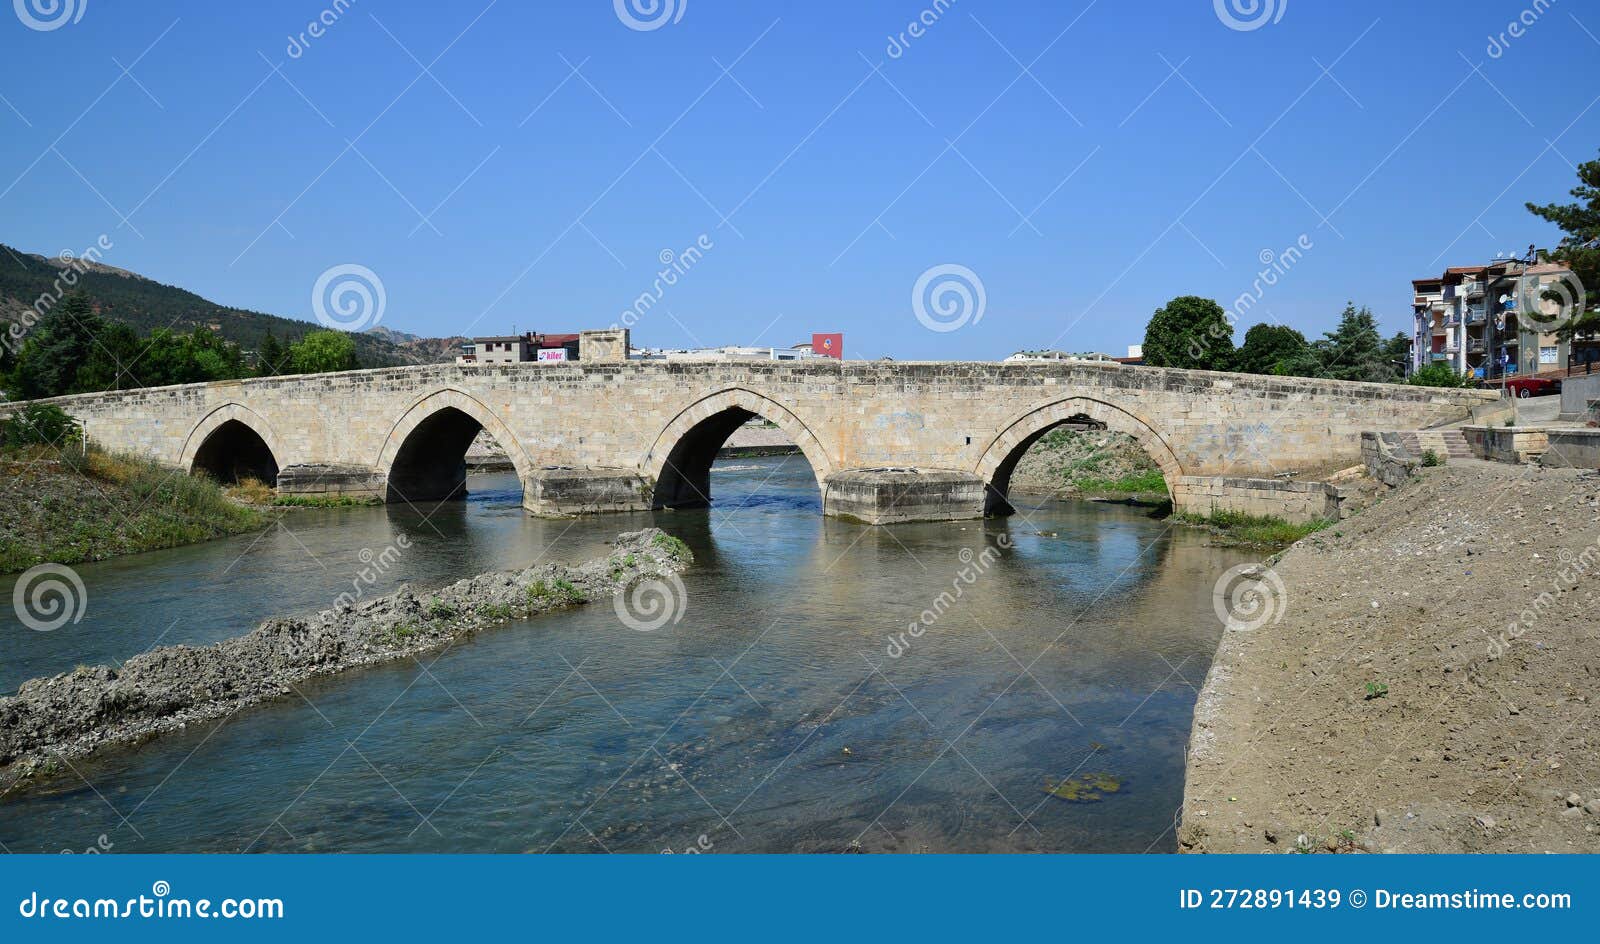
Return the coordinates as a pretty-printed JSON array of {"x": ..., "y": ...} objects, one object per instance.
[
  {"x": 169, "y": 688},
  {"x": 1429, "y": 685}
]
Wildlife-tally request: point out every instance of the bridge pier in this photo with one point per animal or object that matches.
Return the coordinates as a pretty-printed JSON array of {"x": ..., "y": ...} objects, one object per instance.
[
  {"x": 559, "y": 491},
  {"x": 891, "y": 495},
  {"x": 324, "y": 480}
]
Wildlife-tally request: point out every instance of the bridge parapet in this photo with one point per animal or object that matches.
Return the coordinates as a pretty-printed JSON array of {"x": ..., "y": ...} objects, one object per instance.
[{"x": 661, "y": 423}]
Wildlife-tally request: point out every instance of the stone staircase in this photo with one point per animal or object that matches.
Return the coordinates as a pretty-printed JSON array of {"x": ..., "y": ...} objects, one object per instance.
[{"x": 1446, "y": 443}]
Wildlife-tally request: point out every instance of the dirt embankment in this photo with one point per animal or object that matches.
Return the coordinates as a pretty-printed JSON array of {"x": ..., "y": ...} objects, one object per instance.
[
  {"x": 169, "y": 688},
  {"x": 1424, "y": 679}
]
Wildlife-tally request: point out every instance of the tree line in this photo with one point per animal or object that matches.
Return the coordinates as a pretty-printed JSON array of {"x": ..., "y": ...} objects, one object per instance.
[
  {"x": 1195, "y": 333},
  {"x": 72, "y": 349}
]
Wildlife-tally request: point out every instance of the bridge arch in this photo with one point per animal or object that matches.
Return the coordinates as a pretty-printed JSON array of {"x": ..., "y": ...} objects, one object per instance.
[
  {"x": 233, "y": 442},
  {"x": 999, "y": 458},
  {"x": 424, "y": 454},
  {"x": 680, "y": 458}
]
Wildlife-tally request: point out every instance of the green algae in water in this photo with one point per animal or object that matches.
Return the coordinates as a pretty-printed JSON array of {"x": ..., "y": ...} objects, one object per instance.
[{"x": 1089, "y": 788}]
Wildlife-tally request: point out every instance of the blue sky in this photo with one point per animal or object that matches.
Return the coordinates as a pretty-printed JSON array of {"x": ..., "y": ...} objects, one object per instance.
[{"x": 1086, "y": 161}]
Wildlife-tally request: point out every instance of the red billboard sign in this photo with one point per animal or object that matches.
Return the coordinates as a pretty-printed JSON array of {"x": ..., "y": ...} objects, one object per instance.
[{"x": 828, "y": 345}]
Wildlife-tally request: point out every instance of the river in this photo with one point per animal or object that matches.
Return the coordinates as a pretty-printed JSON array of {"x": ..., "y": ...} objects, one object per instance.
[{"x": 781, "y": 713}]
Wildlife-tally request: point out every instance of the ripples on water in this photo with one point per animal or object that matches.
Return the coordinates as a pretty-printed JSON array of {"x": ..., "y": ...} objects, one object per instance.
[{"x": 771, "y": 718}]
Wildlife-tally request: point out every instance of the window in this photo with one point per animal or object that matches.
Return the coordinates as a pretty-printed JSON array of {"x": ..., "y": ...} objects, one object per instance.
[{"x": 1547, "y": 355}]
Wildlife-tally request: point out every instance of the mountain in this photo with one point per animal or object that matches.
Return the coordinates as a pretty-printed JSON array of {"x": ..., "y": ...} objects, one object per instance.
[{"x": 146, "y": 304}]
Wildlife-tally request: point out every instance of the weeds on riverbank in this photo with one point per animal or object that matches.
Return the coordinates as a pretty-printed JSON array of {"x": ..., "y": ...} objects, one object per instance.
[
  {"x": 75, "y": 504},
  {"x": 1253, "y": 529},
  {"x": 1148, "y": 482},
  {"x": 253, "y": 491}
]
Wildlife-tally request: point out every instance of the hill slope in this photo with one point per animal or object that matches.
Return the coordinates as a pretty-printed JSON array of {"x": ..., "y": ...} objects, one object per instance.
[{"x": 146, "y": 305}]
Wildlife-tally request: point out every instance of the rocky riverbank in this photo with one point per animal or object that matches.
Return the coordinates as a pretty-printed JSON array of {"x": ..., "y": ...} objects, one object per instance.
[
  {"x": 166, "y": 689},
  {"x": 1423, "y": 679}
]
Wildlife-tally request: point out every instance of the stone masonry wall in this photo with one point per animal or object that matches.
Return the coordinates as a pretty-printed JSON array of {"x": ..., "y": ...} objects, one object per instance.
[{"x": 843, "y": 415}]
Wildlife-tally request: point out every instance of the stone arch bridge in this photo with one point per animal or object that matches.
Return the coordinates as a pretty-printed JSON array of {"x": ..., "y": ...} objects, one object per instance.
[{"x": 887, "y": 441}]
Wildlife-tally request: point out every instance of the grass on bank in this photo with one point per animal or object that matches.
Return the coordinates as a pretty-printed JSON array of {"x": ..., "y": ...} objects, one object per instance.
[
  {"x": 253, "y": 491},
  {"x": 68, "y": 505},
  {"x": 1149, "y": 482},
  {"x": 1253, "y": 529}
]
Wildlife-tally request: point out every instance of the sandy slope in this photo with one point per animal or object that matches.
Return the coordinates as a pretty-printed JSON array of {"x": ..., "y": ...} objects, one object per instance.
[{"x": 1473, "y": 595}]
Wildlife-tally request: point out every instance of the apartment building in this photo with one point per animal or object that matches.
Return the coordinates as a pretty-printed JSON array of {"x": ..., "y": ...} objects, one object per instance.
[{"x": 1490, "y": 321}]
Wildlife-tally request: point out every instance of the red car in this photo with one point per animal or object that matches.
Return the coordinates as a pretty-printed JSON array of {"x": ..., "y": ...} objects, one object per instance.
[{"x": 1524, "y": 387}]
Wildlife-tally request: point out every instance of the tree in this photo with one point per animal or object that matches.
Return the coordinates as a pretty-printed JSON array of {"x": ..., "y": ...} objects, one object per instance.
[
  {"x": 321, "y": 352},
  {"x": 1355, "y": 350},
  {"x": 1579, "y": 249},
  {"x": 48, "y": 363},
  {"x": 1397, "y": 351},
  {"x": 1272, "y": 349},
  {"x": 1440, "y": 375},
  {"x": 1189, "y": 332},
  {"x": 272, "y": 357}
]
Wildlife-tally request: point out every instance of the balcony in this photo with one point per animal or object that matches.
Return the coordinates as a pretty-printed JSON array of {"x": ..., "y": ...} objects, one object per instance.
[
  {"x": 1472, "y": 289},
  {"x": 1440, "y": 355},
  {"x": 1476, "y": 315},
  {"x": 1475, "y": 346}
]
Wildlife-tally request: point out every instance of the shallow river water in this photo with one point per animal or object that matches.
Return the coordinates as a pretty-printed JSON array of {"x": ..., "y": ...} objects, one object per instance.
[{"x": 776, "y": 715}]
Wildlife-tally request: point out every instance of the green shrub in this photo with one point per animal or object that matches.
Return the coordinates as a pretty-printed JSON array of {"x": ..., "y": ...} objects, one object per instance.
[
  {"x": 40, "y": 424},
  {"x": 1431, "y": 459},
  {"x": 1440, "y": 375}
]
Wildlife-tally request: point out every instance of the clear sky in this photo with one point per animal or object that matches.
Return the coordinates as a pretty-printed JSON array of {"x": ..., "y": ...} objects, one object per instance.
[{"x": 525, "y": 164}]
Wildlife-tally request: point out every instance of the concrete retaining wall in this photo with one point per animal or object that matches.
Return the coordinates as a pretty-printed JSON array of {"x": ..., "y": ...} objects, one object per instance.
[
  {"x": 1572, "y": 449},
  {"x": 1512, "y": 444},
  {"x": 1576, "y": 392}
]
